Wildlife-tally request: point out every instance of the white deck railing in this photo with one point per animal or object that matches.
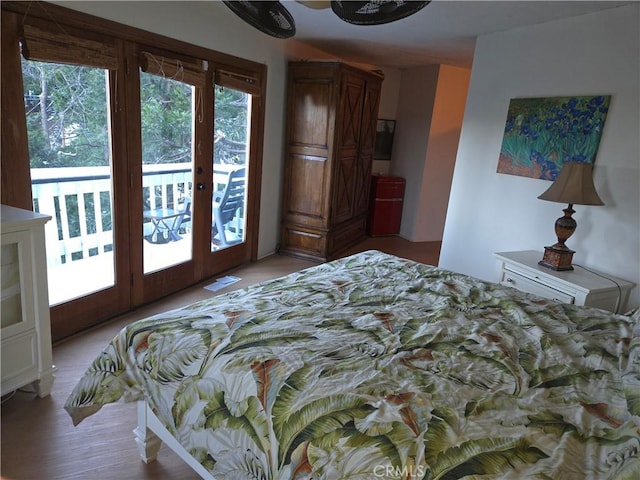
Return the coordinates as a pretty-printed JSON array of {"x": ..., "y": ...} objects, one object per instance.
[
  {"x": 79, "y": 202},
  {"x": 79, "y": 237}
]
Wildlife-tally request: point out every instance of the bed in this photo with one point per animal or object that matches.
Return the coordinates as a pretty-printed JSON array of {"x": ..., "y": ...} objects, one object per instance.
[{"x": 375, "y": 366}]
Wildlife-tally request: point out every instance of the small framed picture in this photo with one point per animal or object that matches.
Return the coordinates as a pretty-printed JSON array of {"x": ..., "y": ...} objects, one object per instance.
[{"x": 384, "y": 139}]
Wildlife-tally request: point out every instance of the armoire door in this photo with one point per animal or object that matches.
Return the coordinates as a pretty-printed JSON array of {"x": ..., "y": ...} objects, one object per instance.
[
  {"x": 366, "y": 147},
  {"x": 346, "y": 157}
]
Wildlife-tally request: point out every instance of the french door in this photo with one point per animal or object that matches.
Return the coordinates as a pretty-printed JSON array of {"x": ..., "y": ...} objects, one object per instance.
[
  {"x": 78, "y": 175},
  {"x": 148, "y": 163},
  {"x": 165, "y": 152},
  {"x": 196, "y": 174}
]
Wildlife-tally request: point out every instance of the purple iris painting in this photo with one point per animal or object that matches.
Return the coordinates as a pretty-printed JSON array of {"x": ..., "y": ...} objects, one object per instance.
[{"x": 543, "y": 133}]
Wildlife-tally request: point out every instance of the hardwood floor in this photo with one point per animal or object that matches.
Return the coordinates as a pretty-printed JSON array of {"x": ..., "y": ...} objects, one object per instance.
[{"x": 40, "y": 442}]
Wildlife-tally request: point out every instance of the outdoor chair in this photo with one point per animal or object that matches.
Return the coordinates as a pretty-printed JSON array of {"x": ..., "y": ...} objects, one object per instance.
[{"x": 226, "y": 205}]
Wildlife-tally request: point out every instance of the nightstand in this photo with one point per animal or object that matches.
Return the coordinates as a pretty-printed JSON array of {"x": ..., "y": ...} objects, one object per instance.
[{"x": 579, "y": 286}]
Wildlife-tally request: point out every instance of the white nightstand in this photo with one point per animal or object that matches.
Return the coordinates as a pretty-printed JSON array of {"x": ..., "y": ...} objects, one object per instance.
[{"x": 579, "y": 286}]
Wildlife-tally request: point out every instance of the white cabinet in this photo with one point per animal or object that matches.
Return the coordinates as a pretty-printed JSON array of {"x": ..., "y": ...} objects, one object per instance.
[
  {"x": 25, "y": 331},
  {"x": 580, "y": 286}
]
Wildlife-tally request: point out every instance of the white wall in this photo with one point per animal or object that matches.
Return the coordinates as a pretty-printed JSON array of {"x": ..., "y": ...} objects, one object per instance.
[
  {"x": 415, "y": 105},
  {"x": 444, "y": 136},
  {"x": 430, "y": 112},
  {"x": 489, "y": 212}
]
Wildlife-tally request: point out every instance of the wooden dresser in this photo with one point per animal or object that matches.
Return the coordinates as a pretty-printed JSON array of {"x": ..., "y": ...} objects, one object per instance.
[{"x": 332, "y": 109}]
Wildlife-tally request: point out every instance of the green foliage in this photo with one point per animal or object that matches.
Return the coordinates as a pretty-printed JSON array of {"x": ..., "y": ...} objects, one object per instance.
[
  {"x": 231, "y": 128},
  {"x": 67, "y": 118},
  {"x": 231, "y": 113},
  {"x": 165, "y": 107}
]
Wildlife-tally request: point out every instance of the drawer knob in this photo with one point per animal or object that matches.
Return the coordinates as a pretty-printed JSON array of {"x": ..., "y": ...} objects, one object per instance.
[{"x": 510, "y": 280}]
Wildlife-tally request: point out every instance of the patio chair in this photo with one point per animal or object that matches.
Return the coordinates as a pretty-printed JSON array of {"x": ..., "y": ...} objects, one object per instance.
[{"x": 226, "y": 204}]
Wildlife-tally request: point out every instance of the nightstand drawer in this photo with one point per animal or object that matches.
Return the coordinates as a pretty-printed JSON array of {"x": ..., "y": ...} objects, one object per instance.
[
  {"x": 580, "y": 286},
  {"x": 524, "y": 284}
]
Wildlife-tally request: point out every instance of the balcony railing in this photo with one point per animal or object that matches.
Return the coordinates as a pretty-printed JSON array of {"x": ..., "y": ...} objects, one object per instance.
[
  {"x": 79, "y": 201},
  {"x": 80, "y": 232}
]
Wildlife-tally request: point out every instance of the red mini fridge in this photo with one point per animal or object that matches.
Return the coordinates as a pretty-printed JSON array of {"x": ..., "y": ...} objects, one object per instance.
[{"x": 385, "y": 205}]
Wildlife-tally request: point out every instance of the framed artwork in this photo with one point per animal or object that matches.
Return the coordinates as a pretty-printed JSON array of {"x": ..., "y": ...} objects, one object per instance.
[
  {"x": 542, "y": 133},
  {"x": 384, "y": 139}
]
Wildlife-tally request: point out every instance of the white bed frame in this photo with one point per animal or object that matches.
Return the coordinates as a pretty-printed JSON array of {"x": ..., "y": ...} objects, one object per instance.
[{"x": 150, "y": 434}]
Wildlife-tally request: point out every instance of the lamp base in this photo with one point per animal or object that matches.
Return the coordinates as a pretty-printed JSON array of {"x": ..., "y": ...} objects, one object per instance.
[{"x": 557, "y": 258}]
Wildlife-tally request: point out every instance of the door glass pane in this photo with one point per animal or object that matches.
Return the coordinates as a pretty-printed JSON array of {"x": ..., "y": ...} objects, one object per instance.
[
  {"x": 68, "y": 128},
  {"x": 230, "y": 167},
  {"x": 167, "y": 170}
]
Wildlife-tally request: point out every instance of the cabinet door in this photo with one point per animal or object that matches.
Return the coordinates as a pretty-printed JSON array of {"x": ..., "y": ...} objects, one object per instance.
[
  {"x": 17, "y": 311},
  {"x": 343, "y": 205},
  {"x": 367, "y": 144}
]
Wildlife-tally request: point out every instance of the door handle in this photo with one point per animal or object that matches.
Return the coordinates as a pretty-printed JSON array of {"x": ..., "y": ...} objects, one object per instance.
[{"x": 201, "y": 186}]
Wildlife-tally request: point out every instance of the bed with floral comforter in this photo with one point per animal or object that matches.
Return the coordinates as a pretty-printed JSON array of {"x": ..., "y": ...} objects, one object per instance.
[{"x": 374, "y": 366}]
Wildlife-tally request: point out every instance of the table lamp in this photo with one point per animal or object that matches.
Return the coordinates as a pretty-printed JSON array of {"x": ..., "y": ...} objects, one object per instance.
[{"x": 574, "y": 185}]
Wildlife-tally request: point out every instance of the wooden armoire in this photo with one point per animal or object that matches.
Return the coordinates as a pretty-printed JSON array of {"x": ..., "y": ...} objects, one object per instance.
[{"x": 332, "y": 110}]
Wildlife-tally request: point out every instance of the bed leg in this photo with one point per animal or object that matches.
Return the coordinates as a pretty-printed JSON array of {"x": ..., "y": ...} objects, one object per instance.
[{"x": 148, "y": 442}]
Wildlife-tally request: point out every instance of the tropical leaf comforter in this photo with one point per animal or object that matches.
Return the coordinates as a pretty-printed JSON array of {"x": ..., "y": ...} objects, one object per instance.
[{"x": 375, "y": 366}]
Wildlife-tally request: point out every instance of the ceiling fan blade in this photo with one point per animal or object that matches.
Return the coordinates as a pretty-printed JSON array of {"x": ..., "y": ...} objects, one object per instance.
[
  {"x": 271, "y": 18},
  {"x": 375, "y": 12},
  {"x": 315, "y": 4}
]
